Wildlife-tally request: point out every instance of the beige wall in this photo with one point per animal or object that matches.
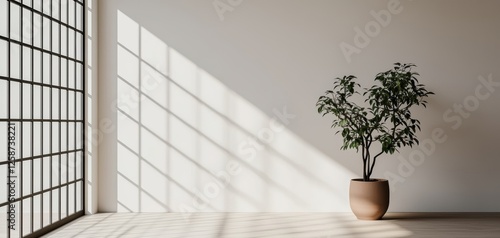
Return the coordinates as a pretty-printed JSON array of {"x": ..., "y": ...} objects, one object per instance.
[
  {"x": 184, "y": 86},
  {"x": 92, "y": 107}
]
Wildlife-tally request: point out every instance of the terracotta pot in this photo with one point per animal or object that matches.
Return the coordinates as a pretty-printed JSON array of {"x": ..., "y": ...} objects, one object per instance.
[{"x": 369, "y": 199}]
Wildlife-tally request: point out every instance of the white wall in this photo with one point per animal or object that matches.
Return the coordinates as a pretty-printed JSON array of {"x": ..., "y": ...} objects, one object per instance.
[
  {"x": 92, "y": 119},
  {"x": 182, "y": 89}
]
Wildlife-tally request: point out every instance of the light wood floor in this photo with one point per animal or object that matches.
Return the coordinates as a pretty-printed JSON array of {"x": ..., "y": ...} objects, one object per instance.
[{"x": 310, "y": 225}]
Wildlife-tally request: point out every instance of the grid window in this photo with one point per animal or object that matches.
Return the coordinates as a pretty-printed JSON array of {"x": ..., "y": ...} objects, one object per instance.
[{"x": 41, "y": 114}]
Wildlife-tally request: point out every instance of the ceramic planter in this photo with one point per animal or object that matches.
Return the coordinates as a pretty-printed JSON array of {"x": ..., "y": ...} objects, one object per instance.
[{"x": 369, "y": 200}]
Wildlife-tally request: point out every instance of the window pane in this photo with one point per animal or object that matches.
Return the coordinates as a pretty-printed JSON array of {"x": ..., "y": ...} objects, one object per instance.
[
  {"x": 3, "y": 17},
  {"x": 4, "y": 58},
  {"x": 15, "y": 22}
]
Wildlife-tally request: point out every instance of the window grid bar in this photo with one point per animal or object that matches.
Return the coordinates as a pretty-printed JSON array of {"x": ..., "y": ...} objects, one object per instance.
[
  {"x": 32, "y": 123},
  {"x": 41, "y": 49},
  {"x": 41, "y": 192},
  {"x": 51, "y": 128},
  {"x": 47, "y": 16},
  {"x": 42, "y": 64},
  {"x": 67, "y": 49},
  {"x": 67, "y": 111},
  {"x": 8, "y": 106},
  {"x": 40, "y": 84},
  {"x": 40, "y": 156},
  {"x": 59, "y": 78},
  {"x": 75, "y": 83},
  {"x": 83, "y": 125},
  {"x": 20, "y": 173},
  {"x": 67, "y": 85},
  {"x": 39, "y": 120}
]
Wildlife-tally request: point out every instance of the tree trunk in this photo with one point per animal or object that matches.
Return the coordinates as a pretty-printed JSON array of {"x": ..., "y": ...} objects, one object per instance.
[{"x": 365, "y": 174}]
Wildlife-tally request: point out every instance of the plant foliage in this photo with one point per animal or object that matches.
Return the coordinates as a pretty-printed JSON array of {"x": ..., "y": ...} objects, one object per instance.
[{"x": 386, "y": 117}]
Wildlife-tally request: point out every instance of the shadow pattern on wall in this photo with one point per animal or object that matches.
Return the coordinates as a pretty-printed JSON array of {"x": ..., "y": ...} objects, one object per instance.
[{"x": 186, "y": 142}]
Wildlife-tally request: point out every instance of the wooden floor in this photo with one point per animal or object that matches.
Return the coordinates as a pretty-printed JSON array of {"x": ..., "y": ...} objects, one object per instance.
[{"x": 310, "y": 225}]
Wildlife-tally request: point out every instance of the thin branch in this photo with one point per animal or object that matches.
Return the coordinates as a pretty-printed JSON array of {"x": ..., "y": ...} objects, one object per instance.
[
  {"x": 368, "y": 158},
  {"x": 346, "y": 115},
  {"x": 364, "y": 170},
  {"x": 363, "y": 150},
  {"x": 373, "y": 164},
  {"x": 370, "y": 140}
]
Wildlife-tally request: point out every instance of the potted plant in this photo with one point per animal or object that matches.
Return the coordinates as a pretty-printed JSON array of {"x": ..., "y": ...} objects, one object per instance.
[{"x": 385, "y": 119}]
